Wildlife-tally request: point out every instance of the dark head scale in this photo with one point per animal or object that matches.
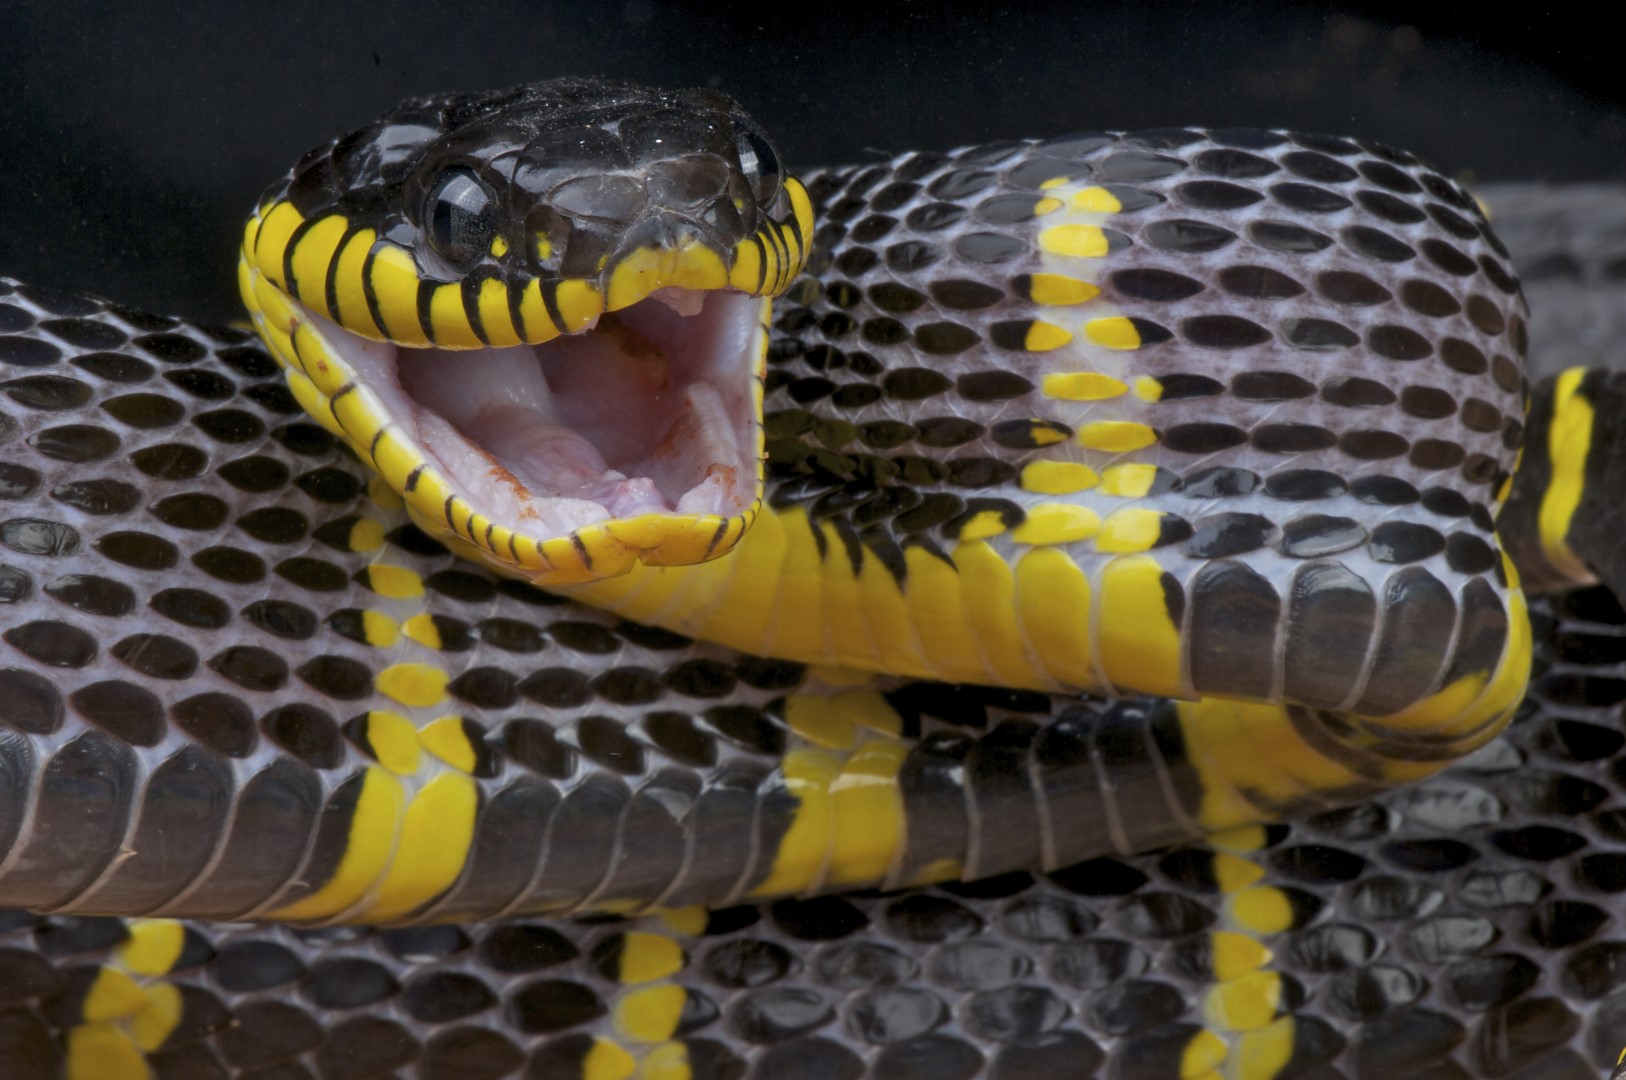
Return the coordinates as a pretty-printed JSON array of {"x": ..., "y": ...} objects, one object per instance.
[{"x": 553, "y": 181}]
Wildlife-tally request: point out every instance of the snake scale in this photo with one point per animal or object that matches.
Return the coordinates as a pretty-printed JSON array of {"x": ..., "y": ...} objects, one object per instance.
[{"x": 1171, "y": 413}]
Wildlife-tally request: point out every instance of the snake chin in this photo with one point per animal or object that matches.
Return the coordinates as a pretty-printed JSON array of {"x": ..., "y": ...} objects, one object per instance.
[{"x": 651, "y": 410}]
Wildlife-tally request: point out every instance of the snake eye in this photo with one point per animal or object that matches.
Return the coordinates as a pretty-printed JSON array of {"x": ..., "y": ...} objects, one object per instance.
[
  {"x": 759, "y": 164},
  {"x": 459, "y": 218}
]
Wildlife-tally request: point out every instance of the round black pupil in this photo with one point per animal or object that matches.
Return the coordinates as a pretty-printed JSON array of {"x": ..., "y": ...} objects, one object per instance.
[{"x": 460, "y": 218}]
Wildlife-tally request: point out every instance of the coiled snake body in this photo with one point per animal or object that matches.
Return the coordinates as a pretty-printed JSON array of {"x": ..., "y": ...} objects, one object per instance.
[{"x": 1217, "y": 416}]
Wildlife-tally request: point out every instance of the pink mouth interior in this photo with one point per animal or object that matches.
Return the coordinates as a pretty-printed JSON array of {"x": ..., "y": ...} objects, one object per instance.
[{"x": 648, "y": 412}]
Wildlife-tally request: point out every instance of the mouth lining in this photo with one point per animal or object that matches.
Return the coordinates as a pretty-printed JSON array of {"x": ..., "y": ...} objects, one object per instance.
[{"x": 649, "y": 411}]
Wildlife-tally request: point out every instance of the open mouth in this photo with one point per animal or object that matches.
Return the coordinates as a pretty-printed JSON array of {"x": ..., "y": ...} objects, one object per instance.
[{"x": 649, "y": 410}]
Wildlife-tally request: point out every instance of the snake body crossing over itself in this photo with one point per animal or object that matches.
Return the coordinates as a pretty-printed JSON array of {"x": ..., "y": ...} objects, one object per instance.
[{"x": 1224, "y": 417}]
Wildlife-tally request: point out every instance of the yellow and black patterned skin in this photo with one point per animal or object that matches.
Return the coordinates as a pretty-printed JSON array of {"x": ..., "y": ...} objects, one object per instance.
[
  {"x": 239, "y": 682},
  {"x": 501, "y": 220}
]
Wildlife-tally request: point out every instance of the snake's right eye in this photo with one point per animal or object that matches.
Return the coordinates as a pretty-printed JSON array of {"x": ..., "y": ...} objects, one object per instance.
[
  {"x": 460, "y": 218},
  {"x": 759, "y": 163}
]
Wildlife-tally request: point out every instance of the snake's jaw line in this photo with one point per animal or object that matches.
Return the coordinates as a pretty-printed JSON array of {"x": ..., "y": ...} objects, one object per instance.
[
  {"x": 647, "y": 412},
  {"x": 570, "y": 282}
]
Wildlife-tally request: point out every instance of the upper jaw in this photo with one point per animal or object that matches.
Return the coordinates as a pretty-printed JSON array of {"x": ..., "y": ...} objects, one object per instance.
[{"x": 635, "y": 439}]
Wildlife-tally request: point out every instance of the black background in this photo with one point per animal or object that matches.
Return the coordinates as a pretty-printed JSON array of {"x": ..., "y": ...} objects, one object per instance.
[{"x": 136, "y": 136}]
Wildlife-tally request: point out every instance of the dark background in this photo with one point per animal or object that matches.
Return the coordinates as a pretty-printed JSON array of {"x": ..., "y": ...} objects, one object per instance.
[{"x": 136, "y": 136}]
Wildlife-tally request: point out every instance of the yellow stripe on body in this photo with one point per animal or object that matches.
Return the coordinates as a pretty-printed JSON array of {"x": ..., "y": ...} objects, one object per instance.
[
  {"x": 448, "y": 740},
  {"x": 104, "y": 1052},
  {"x": 1057, "y": 290},
  {"x": 1203, "y": 1056},
  {"x": 1079, "y": 241},
  {"x": 113, "y": 995},
  {"x": 868, "y": 813},
  {"x": 1053, "y": 602},
  {"x": 646, "y": 957},
  {"x": 436, "y": 837},
  {"x": 800, "y": 616},
  {"x": 368, "y": 850},
  {"x": 1477, "y": 706},
  {"x": 1058, "y": 477},
  {"x": 983, "y": 524},
  {"x": 1569, "y": 441},
  {"x": 367, "y": 534},
  {"x": 898, "y": 642},
  {"x": 776, "y": 596},
  {"x": 1057, "y": 523},
  {"x": 650, "y": 1015},
  {"x": 989, "y": 589},
  {"x": 394, "y": 582},
  {"x": 379, "y": 629},
  {"x": 1113, "y": 332},
  {"x": 1139, "y": 642},
  {"x": 669, "y": 1061},
  {"x": 153, "y": 1025},
  {"x": 805, "y": 847},
  {"x": 1082, "y": 386},
  {"x": 607, "y": 1061},
  {"x": 416, "y": 685},
  {"x": 1241, "y": 748},
  {"x": 1244, "y": 1036},
  {"x": 1131, "y": 530},
  {"x": 1130, "y": 480},
  {"x": 153, "y": 947},
  {"x": 1096, "y": 200},
  {"x": 842, "y": 599},
  {"x": 936, "y": 607},
  {"x": 394, "y": 741},
  {"x": 1044, "y": 336},
  {"x": 848, "y": 827},
  {"x": 832, "y": 721},
  {"x": 1117, "y": 436}
]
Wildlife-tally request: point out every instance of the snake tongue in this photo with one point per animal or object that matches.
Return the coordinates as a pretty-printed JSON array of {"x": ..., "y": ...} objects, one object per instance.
[{"x": 651, "y": 411}]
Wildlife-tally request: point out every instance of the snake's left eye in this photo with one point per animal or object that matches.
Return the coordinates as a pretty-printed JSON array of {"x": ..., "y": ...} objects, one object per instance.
[
  {"x": 759, "y": 163},
  {"x": 460, "y": 218}
]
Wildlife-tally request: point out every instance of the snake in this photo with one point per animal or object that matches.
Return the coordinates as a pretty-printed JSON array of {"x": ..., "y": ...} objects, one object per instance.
[{"x": 628, "y": 611}]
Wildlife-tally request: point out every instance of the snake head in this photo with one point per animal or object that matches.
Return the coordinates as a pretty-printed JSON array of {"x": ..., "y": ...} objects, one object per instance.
[{"x": 541, "y": 315}]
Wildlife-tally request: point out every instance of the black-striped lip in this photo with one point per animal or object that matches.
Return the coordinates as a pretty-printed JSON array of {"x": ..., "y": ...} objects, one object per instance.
[{"x": 650, "y": 410}]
